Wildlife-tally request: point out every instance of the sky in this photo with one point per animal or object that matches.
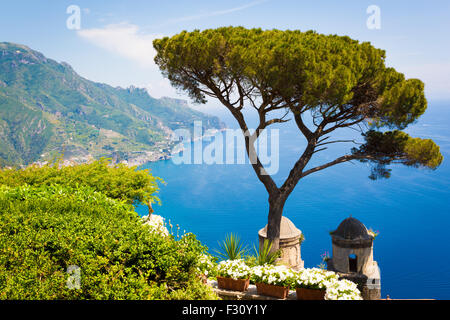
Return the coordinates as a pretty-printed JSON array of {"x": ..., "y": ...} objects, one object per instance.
[{"x": 113, "y": 43}]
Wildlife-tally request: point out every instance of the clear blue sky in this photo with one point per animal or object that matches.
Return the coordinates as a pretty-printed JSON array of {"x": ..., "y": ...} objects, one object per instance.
[{"x": 114, "y": 43}]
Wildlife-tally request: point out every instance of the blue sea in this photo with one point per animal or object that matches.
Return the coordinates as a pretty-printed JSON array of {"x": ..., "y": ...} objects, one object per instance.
[{"x": 411, "y": 209}]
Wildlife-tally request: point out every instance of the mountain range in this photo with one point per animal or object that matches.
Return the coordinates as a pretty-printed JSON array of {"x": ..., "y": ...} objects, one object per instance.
[{"x": 47, "y": 109}]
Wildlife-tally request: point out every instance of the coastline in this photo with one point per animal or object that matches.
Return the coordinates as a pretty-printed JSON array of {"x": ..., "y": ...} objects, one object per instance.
[
  {"x": 136, "y": 158},
  {"x": 175, "y": 149}
]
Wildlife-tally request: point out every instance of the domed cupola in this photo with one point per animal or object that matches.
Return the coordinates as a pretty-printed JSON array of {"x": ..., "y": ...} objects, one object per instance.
[
  {"x": 351, "y": 233},
  {"x": 290, "y": 240},
  {"x": 353, "y": 256}
]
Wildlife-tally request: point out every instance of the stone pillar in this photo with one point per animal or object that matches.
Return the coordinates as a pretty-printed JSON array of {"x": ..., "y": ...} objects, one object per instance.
[{"x": 290, "y": 238}]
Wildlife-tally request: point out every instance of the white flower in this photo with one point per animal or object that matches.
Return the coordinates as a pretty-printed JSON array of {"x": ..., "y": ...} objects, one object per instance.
[
  {"x": 343, "y": 290},
  {"x": 315, "y": 278},
  {"x": 236, "y": 269},
  {"x": 156, "y": 224},
  {"x": 275, "y": 275},
  {"x": 205, "y": 264}
]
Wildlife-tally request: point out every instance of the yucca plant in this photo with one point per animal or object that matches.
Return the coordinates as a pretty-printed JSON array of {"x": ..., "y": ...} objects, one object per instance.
[
  {"x": 232, "y": 248},
  {"x": 264, "y": 255}
]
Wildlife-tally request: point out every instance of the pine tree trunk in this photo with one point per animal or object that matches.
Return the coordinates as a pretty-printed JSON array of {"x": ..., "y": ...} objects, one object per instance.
[
  {"x": 274, "y": 221},
  {"x": 150, "y": 210}
]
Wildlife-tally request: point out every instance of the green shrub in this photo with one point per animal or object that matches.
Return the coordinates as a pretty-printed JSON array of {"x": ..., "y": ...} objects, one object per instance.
[
  {"x": 115, "y": 181},
  {"x": 194, "y": 291},
  {"x": 45, "y": 229}
]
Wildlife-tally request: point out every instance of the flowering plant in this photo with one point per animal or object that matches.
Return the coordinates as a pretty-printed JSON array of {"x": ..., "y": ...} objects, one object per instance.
[
  {"x": 315, "y": 278},
  {"x": 156, "y": 224},
  {"x": 274, "y": 275},
  {"x": 343, "y": 290},
  {"x": 373, "y": 233},
  {"x": 325, "y": 256},
  {"x": 206, "y": 265},
  {"x": 235, "y": 269}
]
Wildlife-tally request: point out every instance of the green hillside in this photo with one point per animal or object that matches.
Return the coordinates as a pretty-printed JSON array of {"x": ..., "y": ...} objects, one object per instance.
[{"x": 46, "y": 108}]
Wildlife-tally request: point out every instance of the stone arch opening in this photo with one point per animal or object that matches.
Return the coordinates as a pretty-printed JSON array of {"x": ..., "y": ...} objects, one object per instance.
[{"x": 352, "y": 263}]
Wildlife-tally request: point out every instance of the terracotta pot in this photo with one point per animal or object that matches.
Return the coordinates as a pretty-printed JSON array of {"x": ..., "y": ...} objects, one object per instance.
[
  {"x": 231, "y": 284},
  {"x": 310, "y": 294},
  {"x": 272, "y": 290}
]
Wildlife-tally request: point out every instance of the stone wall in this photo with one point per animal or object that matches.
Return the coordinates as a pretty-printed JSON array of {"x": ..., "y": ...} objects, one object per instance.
[{"x": 364, "y": 259}]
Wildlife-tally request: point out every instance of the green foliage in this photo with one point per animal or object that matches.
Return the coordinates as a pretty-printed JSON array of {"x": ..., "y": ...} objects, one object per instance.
[
  {"x": 45, "y": 229},
  {"x": 383, "y": 148},
  {"x": 301, "y": 239},
  {"x": 403, "y": 103},
  {"x": 194, "y": 290},
  {"x": 266, "y": 255},
  {"x": 292, "y": 65},
  {"x": 117, "y": 182},
  {"x": 232, "y": 248},
  {"x": 422, "y": 152}
]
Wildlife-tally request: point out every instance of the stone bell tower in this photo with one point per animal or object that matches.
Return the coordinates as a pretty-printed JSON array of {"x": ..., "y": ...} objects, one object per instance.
[
  {"x": 353, "y": 257},
  {"x": 290, "y": 241}
]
